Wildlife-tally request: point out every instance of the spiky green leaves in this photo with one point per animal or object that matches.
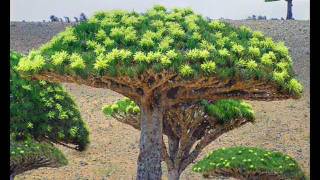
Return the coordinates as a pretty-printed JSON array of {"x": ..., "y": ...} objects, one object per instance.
[
  {"x": 254, "y": 51},
  {"x": 227, "y": 110},
  {"x": 101, "y": 35},
  {"x": 76, "y": 61},
  {"x": 140, "y": 57},
  {"x": 280, "y": 77},
  {"x": 196, "y": 54},
  {"x": 186, "y": 71},
  {"x": 281, "y": 49},
  {"x": 165, "y": 43},
  {"x": 224, "y": 52},
  {"x": 217, "y": 25},
  {"x": 68, "y": 36},
  {"x": 257, "y": 34},
  {"x": 250, "y": 161},
  {"x": 175, "y": 30},
  {"x": 124, "y": 106},
  {"x": 268, "y": 58},
  {"x": 33, "y": 62},
  {"x": 237, "y": 49},
  {"x": 294, "y": 87},
  {"x": 47, "y": 110},
  {"x": 102, "y": 62},
  {"x": 208, "y": 67},
  {"x": 247, "y": 64},
  {"x": 126, "y": 34},
  {"x": 59, "y": 57}
]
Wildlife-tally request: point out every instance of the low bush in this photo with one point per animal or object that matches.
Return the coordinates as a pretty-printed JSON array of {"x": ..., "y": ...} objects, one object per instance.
[{"x": 248, "y": 163}]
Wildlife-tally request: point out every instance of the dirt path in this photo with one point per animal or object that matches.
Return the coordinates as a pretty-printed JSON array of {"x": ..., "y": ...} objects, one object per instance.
[{"x": 113, "y": 152}]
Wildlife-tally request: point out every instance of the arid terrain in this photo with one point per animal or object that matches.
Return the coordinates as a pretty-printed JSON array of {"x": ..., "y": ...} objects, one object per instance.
[{"x": 280, "y": 125}]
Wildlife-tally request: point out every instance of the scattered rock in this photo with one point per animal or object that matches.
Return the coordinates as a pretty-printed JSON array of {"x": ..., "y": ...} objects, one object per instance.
[{"x": 82, "y": 163}]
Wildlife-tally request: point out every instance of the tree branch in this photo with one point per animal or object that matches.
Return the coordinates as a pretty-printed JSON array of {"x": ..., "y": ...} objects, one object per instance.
[
  {"x": 212, "y": 89},
  {"x": 104, "y": 82},
  {"x": 210, "y": 136},
  {"x": 165, "y": 155},
  {"x": 131, "y": 120}
]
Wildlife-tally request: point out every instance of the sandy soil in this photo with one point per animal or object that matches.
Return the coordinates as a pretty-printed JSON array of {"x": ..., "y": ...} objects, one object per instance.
[{"x": 113, "y": 152}]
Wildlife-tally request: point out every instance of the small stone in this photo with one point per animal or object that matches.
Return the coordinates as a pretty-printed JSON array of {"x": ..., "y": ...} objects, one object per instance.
[{"x": 82, "y": 163}]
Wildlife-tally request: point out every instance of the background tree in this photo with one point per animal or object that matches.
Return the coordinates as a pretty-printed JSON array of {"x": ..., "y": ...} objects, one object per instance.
[
  {"x": 162, "y": 58},
  {"x": 289, "y": 8},
  {"x": 249, "y": 163},
  {"x": 67, "y": 19},
  {"x": 82, "y": 17},
  {"x": 54, "y": 18},
  {"x": 189, "y": 127},
  {"x": 41, "y": 114}
]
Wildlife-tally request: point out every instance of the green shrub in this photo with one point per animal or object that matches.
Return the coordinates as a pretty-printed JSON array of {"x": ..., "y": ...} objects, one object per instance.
[
  {"x": 250, "y": 160},
  {"x": 27, "y": 150},
  {"x": 41, "y": 109}
]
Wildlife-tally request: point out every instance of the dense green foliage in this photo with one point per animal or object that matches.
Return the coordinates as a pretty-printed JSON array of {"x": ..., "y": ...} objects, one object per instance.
[
  {"x": 250, "y": 159},
  {"x": 124, "y": 106},
  {"x": 121, "y": 43},
  {"x": 228, "y": 109},
  {"x": 41, "y": 113},
  {"x": 28, "y": 150},
  {"x": 39, "y": 109},
  {"x": 224, "y": 110}
]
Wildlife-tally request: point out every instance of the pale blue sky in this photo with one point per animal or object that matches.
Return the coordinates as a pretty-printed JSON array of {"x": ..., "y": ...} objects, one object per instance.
[{"x": 38, "y": 10}]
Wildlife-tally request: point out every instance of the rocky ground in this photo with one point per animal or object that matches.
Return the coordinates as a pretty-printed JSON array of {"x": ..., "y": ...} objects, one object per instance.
[{"x": 280, "y": 125}]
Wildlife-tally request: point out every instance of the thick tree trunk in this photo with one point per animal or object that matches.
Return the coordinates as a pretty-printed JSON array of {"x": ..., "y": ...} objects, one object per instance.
[
  {"x": 150, "y": 157},
  {"x": 173, "y": 174},
  {"x": 289, "y": 10}
]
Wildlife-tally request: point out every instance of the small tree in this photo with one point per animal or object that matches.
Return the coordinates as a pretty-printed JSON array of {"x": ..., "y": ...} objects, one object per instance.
[
  {"x": 41, "y": 113},
  {"x": 289, "y": 8},
  {"x": 67, "y": 19},
  {"x": 54, "y": 18},
  {"x": 249, "y": 163},
  {"x": 189, "y": 127},
  {"x": 83, "y": 17},
  {"x": 162, "y": 58}
]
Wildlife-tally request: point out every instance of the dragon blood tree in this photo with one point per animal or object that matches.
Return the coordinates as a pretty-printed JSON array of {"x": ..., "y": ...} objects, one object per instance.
[
  {"x": 41, "y": 113},
  {"x": 249, "y": 163},
  {"x": 162, "y": 58},
  {"x": 190, "y": 127}
]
